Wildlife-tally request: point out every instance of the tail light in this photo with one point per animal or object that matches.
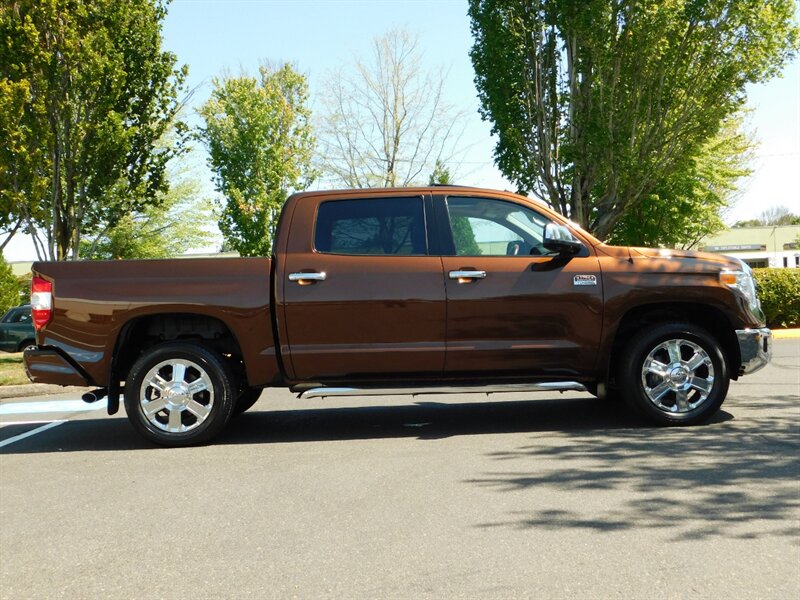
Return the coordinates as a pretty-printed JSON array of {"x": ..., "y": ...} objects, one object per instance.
[{"x": 41, "y": 302}]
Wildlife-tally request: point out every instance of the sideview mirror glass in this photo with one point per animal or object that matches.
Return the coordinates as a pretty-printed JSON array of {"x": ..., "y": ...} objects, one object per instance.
[{"x": 558, "y": 238}]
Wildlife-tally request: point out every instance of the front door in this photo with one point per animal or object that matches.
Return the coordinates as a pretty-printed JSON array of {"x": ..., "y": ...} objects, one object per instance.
[
  {"x": 512, "y": 306},
  {"x": 367, "y": 300}
]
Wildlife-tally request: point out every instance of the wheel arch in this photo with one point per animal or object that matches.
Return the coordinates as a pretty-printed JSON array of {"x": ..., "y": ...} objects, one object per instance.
[
  {"x": 706, "y": 317},
  {"x": 25, "y": 343},
  {"x": 143, "y": 332}
]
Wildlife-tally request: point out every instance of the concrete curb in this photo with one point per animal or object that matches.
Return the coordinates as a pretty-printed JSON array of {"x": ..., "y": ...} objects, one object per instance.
[{"x": 786, "y": 334}]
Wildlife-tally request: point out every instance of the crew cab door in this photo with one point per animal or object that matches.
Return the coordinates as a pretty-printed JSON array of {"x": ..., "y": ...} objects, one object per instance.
[
  {"x": 513, "y": 307},
  {"x": 363, "y": 295}
]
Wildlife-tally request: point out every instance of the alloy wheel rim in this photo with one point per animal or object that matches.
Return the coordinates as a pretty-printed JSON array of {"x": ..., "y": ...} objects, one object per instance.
[
  {"x": 677, "y": 376},
  {"x": 176, "y": 396}
]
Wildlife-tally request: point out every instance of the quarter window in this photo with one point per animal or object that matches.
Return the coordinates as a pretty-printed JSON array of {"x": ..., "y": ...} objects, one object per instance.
[{"x": 377, "y": 226}]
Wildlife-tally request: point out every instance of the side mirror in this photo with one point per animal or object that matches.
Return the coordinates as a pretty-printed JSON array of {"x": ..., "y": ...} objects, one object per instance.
[{"x": 558, "y": 238}]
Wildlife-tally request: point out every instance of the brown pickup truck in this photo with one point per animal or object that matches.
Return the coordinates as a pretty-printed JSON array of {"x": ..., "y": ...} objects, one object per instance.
[{"x": 414, "y": 290}]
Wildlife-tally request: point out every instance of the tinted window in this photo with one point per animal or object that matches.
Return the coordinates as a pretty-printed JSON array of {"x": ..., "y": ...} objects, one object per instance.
[
  {"x": 16, "y": 316},
  {"x": 487, "y": 227},
  {"x": 371, "y": 226}
]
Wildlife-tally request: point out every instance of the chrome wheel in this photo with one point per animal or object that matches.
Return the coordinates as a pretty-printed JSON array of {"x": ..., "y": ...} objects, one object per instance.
[
  {"x": 677, "y": 376},
  {"x": 176, "y": 395}
]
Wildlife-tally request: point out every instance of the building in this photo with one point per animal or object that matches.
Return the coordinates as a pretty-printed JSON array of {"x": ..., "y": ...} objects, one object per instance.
[{"x": 775, "y": 246}]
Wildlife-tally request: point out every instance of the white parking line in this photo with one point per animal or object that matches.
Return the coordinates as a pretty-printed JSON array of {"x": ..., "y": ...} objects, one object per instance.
[
  {"x": 27, "y": 434},
  {"x": 40, "y": 422},
  {"x": 48, "y": 406}
]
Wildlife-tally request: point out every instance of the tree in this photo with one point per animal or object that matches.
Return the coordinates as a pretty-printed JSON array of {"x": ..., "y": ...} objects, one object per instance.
[
  {"x": 23, "y": 184},
  {"x": 168, "y": 228},
  {"x": 260, "y": 146},
  {"x": 10, "y": 288},
  {"x": 687, "y": 206},
  {"x": 386, "y": 123},
  {"x": 440, "y": 175},
  {"x": 92, "y": 92},
  {"x": 599, "y": 103},
  {"x": 774, "y": 215}
]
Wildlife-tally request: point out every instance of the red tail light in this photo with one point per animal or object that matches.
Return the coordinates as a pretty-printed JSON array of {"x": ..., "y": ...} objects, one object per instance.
[{"x": 41, "y": 302}]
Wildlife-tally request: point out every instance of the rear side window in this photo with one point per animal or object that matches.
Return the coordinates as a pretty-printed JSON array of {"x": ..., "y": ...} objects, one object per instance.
[
  {"x": 17, "y": 316},
  {"x": 377, "y": 226}
]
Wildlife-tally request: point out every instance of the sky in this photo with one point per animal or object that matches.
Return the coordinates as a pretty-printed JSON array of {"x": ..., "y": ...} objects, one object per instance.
[{"x": 318, "y": 36}]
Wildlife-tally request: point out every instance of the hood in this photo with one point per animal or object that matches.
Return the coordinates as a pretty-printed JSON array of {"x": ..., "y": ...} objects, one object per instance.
[{"x": 724, "y": 262}]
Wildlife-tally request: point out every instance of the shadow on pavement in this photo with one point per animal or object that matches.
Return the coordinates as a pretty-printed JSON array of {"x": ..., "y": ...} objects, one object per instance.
[
  {"x": 739, "y": 479},
  {"x": 421, "y": 420}
]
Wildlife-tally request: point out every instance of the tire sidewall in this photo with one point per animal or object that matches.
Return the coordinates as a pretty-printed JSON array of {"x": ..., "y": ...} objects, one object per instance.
[
  {"x": 631, "y": 367},
  {"x": 221, "y": 380},
  {"x": 247, "y": 398}
]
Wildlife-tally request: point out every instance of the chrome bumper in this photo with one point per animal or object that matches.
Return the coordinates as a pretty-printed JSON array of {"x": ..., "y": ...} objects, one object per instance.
[{"x": 755, "y": 348}]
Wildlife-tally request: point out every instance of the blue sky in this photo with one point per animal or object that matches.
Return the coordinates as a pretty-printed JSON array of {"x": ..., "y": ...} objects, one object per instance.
[{"x": 320, "y": 35}]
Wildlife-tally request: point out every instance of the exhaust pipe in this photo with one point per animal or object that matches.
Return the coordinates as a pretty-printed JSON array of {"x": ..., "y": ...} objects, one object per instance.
[{"x": 94, "y": 395}]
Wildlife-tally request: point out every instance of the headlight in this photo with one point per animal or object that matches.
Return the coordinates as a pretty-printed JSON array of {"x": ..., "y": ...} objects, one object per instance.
[{"x": 742, "y": 281}]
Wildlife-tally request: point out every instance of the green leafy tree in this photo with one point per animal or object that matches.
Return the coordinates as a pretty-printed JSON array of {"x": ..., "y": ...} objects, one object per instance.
[
  {"x": 177, "y": 223},
  {"x": 23, "y": 160},
  {"x": 260, "y": 146},
  {"x": 10, "y": 287},
  {"x": 441, "y": 174},
  {"x": 688, "y": 205},
  {"x": 93, "y": 92},
  {"x": 600, "y": 104}
]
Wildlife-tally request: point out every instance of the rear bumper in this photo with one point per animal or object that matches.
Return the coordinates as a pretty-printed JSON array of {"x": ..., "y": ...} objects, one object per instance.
[
  {"x": 755, "y": 348},
  {"x": 48, "y": 365}
]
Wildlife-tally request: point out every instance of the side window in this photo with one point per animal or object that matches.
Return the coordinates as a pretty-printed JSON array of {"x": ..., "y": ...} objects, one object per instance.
[
  {"x": 377, "y": 226},
  {"x": 25, "y": 316},
  {"x": 14, "y": 316},
  {"x": 488, "y": 227}
]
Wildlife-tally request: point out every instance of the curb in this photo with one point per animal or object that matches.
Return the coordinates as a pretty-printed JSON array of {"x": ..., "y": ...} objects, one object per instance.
[{"x": 786, "y": 334}]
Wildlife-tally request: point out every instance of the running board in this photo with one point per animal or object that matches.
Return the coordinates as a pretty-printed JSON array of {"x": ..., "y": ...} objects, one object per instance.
[{"x": 556, "y": 386}]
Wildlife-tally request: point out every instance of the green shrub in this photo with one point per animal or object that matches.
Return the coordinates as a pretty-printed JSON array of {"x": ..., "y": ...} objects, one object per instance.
[
  {"x": 9, "y": 287},
  {"x": 779, "y": 291}
]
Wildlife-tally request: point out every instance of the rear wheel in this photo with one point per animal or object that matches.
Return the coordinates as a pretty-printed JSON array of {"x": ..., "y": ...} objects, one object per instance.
[
  {"x": 179, "y": 394},
  {"x": 675, "y": 374}
]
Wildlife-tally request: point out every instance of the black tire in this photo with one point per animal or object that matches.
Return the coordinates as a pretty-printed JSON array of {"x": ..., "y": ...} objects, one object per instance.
[
  {"x": 179, "y": 416},
  {"x": 24, "y": 344},
  {"x": 247, "y": 398},
  {"x": 674, "y": 374}
]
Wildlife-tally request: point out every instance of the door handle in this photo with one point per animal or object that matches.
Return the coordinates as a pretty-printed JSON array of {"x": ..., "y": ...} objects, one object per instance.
[
  {"x": 467, "y": 276},
  {"x": 307, "y": 278}
]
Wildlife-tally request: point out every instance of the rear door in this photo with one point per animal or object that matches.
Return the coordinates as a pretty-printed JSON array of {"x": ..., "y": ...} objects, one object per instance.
[
  {"x": 16, "y": 327},
  {"x": 512, "y": 306},
  {"x": 363, "y": 293}
]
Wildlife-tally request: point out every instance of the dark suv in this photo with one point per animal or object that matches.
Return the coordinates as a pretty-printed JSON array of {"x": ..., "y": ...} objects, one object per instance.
[{"x": 16, "y": 329}]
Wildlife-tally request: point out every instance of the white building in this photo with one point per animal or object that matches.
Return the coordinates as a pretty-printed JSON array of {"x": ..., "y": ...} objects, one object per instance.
[{"x": 771, "y": 246}]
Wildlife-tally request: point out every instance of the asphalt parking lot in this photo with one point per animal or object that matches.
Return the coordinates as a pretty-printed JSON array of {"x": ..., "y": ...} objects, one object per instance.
[{"x": 541, "y": 496}]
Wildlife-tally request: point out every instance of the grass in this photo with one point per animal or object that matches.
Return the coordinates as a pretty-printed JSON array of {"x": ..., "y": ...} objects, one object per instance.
[{"x": 11, "y": 369}]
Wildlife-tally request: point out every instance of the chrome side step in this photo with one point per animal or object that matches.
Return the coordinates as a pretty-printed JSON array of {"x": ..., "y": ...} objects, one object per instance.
[{"x": 555, "y": 386}]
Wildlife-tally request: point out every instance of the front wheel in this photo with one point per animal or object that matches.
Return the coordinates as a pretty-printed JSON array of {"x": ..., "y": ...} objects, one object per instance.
[
  {"x": 247, "y": 398},
  {"x": 179, "y": 394},
  {"x": 675, "y": 374}
]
